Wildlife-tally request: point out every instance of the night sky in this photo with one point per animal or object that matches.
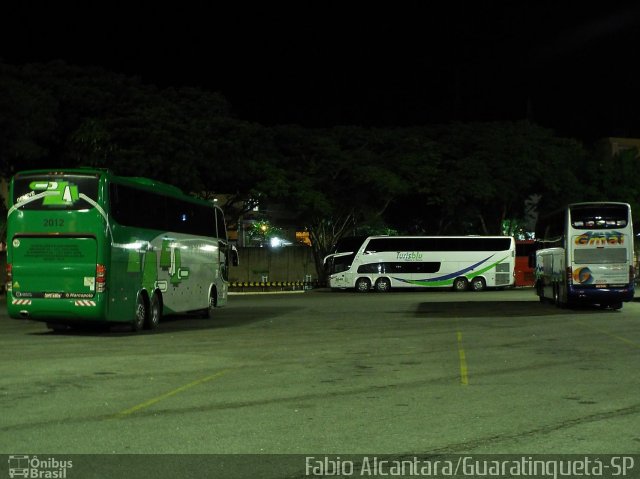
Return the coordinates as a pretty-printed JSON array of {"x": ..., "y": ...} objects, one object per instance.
[{"x": 569, "y": 67}]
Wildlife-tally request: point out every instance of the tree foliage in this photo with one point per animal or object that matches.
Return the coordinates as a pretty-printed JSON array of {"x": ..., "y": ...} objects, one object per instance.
[{"x": 460, "y": 178}]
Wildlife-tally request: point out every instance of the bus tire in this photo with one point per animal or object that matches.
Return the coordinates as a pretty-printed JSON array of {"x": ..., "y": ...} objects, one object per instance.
[
  {"x": 141, "y": 313},
  {"x": 383, "y": 285},
  {"x": 155, "y": 312},
  {"x": 540, "y": 291},
  {"x": 556, "y": 295},
  {"x": 460, "y": 284},
  {"x": 363, "y": 285},
  {"x": 478, "y": 284},
  {"x": 213, "y": 303}
]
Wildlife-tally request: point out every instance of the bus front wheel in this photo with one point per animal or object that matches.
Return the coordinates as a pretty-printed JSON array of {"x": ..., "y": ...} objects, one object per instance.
[
  {"x": 363, "y": 285},
  {"x": 213, "y": 302}
]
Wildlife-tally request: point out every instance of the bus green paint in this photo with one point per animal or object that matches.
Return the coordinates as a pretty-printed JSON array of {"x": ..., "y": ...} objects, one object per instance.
[{"x": 64, "y": 226}]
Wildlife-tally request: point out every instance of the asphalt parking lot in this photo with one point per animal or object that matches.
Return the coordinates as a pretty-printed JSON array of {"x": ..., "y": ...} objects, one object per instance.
[{"x": 494, "y": 372}]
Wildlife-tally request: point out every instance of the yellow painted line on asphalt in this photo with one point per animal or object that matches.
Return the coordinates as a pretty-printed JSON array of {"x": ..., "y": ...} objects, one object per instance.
[
  {"x": 464, "y": 374},
  {"x": 610, "y": 334},
  {"x": 151, "y": 402}
]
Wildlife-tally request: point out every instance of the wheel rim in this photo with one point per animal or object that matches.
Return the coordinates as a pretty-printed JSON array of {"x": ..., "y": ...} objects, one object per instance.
[
  {"x": 141, "y": 313},
  {"x": 383, "y": 285},
  {"x": 478, "y": 285},
  {"x": 363, "y": 285},
  {"x": 155, "y": 312},
  {"x": 460, "y": 285}
]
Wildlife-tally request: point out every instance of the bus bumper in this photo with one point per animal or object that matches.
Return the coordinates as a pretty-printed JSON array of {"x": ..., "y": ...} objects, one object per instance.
[
  {"x": 340, "y": 281},
  {"x": 600, "y": 295},
  {"x": 58, "y": 310}
]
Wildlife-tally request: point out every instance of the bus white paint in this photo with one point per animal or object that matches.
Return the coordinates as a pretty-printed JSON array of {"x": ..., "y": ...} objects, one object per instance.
[
  {"x": 586, "y": 255},
  {"x": 381, "y": 263}
]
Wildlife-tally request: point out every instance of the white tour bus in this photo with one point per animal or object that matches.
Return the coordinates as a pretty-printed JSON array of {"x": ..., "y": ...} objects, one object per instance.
[
  {"x": 586, "y": 255},
  {"x": 458, "y": 262}
]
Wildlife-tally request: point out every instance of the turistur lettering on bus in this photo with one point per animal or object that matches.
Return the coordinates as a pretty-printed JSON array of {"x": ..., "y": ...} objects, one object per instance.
[{"x": 409, "y": 255}]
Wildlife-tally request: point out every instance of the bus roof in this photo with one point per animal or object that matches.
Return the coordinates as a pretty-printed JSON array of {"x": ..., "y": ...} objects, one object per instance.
[{"x": 597, "y": 203}]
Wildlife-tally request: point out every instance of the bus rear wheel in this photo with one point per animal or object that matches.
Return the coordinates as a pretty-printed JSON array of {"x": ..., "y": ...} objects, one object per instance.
[
  {"x": 383, "y": 285},
  {"x": 478, "y": 284},
  {"x": 460, "y": 284},
  {"x": 363, "y": 285},
  {"x": 142, "y": 312},
  {"x": 155, "y": 312}
]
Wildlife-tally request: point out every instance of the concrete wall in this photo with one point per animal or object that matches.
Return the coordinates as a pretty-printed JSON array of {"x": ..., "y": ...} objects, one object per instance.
[{"x": 293, "y": 263}]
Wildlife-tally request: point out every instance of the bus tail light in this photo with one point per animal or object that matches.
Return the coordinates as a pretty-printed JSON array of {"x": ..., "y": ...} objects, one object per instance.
[
  {"x": 101, "y": 278},
  {"x": 569, "y": 275},
  {"x": 9, "y": 277}
]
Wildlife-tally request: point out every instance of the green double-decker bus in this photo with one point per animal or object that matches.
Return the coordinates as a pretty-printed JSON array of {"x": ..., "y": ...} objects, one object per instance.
[{"x": 86, "y": 245}]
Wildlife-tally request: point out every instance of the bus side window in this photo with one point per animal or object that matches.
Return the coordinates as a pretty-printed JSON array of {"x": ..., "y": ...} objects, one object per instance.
[{"x": 220, "y": 225}]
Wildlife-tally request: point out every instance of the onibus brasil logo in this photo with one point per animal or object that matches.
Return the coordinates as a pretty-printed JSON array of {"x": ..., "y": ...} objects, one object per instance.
[{"x": 41, "y": 468}]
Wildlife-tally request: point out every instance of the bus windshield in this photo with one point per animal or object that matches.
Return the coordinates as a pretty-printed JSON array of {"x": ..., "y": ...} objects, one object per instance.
[
  {"x": 343, "y": 253},
  {"x": 339, "y": 262}
]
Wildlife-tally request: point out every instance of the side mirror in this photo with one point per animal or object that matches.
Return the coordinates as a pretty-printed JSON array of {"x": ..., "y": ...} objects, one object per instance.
[{"x": 235, "y": 260}]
